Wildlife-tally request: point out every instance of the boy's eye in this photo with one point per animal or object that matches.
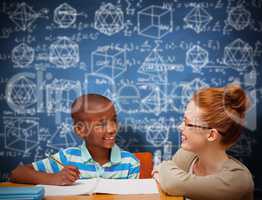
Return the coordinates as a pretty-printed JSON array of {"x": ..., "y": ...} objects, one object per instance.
[{"x": 103, "y": 124}]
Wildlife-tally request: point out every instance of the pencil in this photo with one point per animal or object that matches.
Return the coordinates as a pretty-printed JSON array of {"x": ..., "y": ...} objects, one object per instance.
[{"x": 57, "y": 161}]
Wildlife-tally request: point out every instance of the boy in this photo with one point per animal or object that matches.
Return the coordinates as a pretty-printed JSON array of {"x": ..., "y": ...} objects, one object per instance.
[{"x": 95, "y": 121}]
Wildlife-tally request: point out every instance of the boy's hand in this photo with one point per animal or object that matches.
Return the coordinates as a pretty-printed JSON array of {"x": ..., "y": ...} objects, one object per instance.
[{"x": 67, "y": 176}]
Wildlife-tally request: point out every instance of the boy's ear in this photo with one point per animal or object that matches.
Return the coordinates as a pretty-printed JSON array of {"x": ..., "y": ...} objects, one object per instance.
[
  {"x": 213, "y": 135},
  {"x": 80, "y": 129}
]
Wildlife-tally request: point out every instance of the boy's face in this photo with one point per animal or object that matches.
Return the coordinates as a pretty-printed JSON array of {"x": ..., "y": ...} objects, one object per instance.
[{"x": 101, "y": 127}]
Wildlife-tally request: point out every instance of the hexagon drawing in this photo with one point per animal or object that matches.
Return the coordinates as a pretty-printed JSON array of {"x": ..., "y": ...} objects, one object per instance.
[
  {"x": 109, "y": 19},
  {"x": 23, "y": 55},
  {"x": 197, "y": 58},
  {"x": 239, "y": 17},
  {"x": 64, "y": 53},
  {"x": 65, "y": 15},
  {"x": 238, "y": 54},
  {"x": 21, "y": 92},
  {"x": 157, "y": 134}
]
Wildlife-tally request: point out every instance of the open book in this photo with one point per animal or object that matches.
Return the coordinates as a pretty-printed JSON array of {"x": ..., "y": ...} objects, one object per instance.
[{"x": 99, "y": 185}]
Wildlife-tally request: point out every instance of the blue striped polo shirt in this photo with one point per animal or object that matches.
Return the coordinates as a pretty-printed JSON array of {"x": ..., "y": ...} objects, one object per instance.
[{"x": 122, "y": 164}]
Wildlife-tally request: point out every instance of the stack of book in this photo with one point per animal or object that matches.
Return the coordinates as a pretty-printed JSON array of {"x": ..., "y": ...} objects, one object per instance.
[{"x": 25, "y": 193}]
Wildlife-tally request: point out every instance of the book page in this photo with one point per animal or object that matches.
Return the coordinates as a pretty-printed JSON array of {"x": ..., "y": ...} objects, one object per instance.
[
  {"x": 108, "y": 186},
  {"x": 80, "y": 187},
  {"x": 127, "y": 186}
]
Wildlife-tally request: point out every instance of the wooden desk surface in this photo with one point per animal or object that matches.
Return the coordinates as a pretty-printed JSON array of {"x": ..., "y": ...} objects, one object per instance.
[{"x": 160, "y": 196}]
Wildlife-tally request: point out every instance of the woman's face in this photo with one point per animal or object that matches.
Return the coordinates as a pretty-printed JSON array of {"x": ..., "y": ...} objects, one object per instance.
[{"x": 193, "y": 130}]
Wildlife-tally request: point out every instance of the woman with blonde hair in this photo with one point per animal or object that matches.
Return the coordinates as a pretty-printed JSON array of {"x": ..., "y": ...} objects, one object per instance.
[{"x": 201, "y": 169}]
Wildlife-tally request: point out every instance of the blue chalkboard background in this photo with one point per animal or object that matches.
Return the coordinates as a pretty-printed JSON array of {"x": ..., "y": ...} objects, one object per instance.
[{"x": 147, "y": 56}]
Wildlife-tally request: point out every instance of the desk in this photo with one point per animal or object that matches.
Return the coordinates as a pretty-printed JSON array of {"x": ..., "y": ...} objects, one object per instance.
[{"x": 160, "y": 196}]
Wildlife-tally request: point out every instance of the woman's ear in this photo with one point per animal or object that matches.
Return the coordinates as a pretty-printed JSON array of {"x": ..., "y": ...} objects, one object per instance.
[{"x": 213, "y": 135}]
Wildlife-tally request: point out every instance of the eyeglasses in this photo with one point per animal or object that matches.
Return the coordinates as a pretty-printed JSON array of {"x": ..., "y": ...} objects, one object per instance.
[
  {"x": 196, "y": 126},
  {"x": 199, "y": 126}
]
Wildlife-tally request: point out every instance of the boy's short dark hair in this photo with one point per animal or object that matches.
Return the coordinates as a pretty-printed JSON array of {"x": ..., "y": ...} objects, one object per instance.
[{"x": 82, "y": 105}]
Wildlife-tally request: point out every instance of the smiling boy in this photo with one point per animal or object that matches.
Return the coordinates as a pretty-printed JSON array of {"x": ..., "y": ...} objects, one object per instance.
[{"x": 95, "y": 121}]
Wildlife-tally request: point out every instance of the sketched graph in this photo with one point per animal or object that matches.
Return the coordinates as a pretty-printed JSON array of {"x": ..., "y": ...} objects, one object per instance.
[
  {"x": 101, "y": 84},
  {"x": 109, "y": 61},
  {"x": 197, "y": 19},
  {"x": 155, "y": 21},
  {"x": 109, "y": 19},
  {"x": 63, "y": 137},
  {"x": 182, "y": 93},
  {"x": 21, "y": 133},
  {"x": 155, "y": 101},
  {"x": 128, "y": 98},
  {"x": 24, "y": 16},
  {"x": 65, "y": 15},
  {"x": 154, "y": 67},
  {"x": 60, "y": 94}
]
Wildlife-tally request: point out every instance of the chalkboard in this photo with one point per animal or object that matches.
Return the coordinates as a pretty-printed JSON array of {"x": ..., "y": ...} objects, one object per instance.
[{"x": 149, "y": 57}]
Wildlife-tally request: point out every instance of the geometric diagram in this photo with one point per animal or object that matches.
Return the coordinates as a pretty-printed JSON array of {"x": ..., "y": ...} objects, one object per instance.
[
  {"x": 239, "y": 18},
  {"x": 154, "y": 66},
  {"x": 60, "y": 94},
  {"x": 62, "y": 137},
  {"x": 155, "y": 22},
  {"x": 23, "y": 55},
  {"x": 182, "y": 93},
  {"x": 64, "y": 53},
  {"x": 238, "y": 54},
  {"x": 109, "y": 61},
  {"x": 21, "y": 92},
  {"x": 197, "y": 58},
  {"x": 24, "y": 16},
  {"x": 21, "y": 133},
  {"x": 128, "y": 98},
  {"x": 197, "y": 19},
  {"x": 100, "y": 84},
  {"x": 65, "y": 15},
  {"x": 155, "y": 101},
  {"x": 109, "y": 19},
  {"x": 157, "y": 133}
]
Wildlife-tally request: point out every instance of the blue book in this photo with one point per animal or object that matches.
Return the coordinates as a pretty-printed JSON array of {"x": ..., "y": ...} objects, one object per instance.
[{"x": 25, "y": 193}]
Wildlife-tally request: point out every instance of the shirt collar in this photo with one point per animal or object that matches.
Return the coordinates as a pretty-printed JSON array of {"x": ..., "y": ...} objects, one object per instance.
[{"x": 115, "y": 155}]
